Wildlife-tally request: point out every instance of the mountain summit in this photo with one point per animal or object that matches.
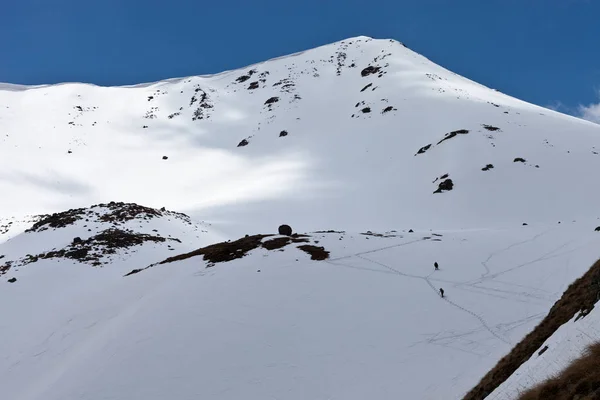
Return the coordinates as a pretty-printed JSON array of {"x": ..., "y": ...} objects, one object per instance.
[
  {"x": 138, "y": 248},
  {"x": 360, "y": 127}
]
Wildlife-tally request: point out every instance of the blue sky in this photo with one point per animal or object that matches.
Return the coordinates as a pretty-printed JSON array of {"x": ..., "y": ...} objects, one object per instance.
[{"x": 542, "y": 51}]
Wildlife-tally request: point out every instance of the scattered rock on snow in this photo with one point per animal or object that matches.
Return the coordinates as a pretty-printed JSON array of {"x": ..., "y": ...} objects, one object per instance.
[
  {"x": 453, "y": 134},
  {"x": 423, "y": 149},
  {"x": 272, "y": 100},
  {"x": 487, "y": 167},
  {"x": 366, "y": 87},
  {"x": 370, "y": 70},
  {"x": 445, "y": 186},
  {"x": 519, "y": 159},
  {"x": 491, "y": 128}
]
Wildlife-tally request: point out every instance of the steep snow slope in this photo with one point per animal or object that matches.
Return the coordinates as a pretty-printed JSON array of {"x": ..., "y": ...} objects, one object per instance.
[
  {"x": 356, "y": 135},
  {"x": 79, "y": 144}
]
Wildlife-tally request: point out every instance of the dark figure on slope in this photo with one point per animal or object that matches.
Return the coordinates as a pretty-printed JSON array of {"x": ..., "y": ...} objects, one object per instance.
[
  {"x": 441, "y": 292},
  {"x": 436, "y": 266}
]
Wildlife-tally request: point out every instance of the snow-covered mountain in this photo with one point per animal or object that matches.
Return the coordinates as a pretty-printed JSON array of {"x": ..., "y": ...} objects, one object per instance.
[{"x": 385, "y": 160}]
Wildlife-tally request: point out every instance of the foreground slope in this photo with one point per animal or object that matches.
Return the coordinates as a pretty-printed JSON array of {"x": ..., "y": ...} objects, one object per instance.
[
  {"x": 367, "y": 322},
  {"x": 327, "y": 133}
]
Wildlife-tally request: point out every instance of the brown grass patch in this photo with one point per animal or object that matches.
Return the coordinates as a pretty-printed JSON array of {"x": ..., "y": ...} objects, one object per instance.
[
  {"x": 316, "y": 252},
  {"x": 581, "y": 295},
  {"x": 580, "y": 380},
  {"x": 224, "y": 251},
  {"x": 278, "y": 243},
  {"x": 228, "y": 251}
]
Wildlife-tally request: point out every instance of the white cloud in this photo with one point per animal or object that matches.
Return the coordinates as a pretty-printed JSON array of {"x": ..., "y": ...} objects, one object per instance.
[
  {"x": 591, "y": 112},
  {"x": 555, "y": 106}
]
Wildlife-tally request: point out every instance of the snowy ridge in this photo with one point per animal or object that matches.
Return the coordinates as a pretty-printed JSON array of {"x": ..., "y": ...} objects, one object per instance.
[{"x": 387, "y": 161}]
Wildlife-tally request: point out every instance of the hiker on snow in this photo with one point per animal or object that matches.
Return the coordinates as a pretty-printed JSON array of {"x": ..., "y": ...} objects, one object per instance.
[
  {"x": 436, "y": 266},
  {"x": 441, "y": 292}
]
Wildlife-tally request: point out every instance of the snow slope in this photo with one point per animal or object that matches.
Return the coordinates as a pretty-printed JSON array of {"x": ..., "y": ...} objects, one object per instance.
[
  {"x": 367, "y": 323},
  {"x": 335, "y": 160},
  {"x": 335, "y": 138}
]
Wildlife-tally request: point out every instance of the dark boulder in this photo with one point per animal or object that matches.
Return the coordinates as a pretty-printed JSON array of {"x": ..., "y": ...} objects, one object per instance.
[
  {"x": 12, "y": 280},
  {"x": 243, "y": 143},
  {"x": 285, "y": 230}
]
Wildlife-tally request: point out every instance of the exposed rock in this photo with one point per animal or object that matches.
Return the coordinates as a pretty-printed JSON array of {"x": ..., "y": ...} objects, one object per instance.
[
  {"x": 370, "y": 70},
  {"x": 487, "y": 167},
  {"x": 283, "y": 133},
  {"x": 57, "y": 220},
  {"x": 366, "y": 87},
  {"x": 491, "y": 128},
  {"x": 444, "y": 186},
  {"x": 597, "y": 229},
  {"x": 285, "y": 230},
  {"x": 366, "y": 110},
  {"x": 12, "y": 280},
  {"x": 165, "y": 158},
  {"x": 243, "y": 143},
  {"x": 253, "y": 85},
  {"x": 453, "y": 134},
  {"x": 519, "y": 159},
  {"x": 424, "y": 149},
  {"x": 242, "y": 78},
  {"x": 272, "y": 100}
]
